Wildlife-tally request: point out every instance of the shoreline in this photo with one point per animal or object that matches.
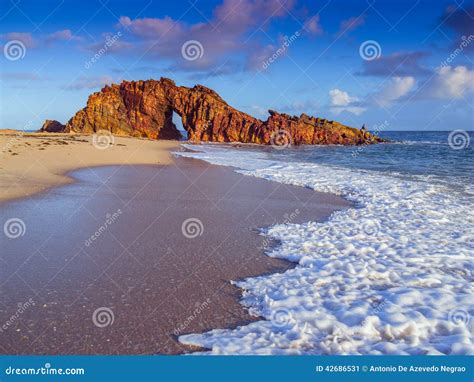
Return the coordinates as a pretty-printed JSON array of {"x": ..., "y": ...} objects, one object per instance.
[
  {"x": 37, "y": 162},
  {"x": 209, "y": 196},
  {"x": 355, "y": 274}
]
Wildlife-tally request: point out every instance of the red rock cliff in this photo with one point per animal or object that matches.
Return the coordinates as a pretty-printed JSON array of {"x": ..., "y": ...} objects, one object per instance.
[{"x": 145, "y": 109}]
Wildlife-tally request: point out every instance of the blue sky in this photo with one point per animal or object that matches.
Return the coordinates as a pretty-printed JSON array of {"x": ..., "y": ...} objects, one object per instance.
[{"x": 407, "y": 65}]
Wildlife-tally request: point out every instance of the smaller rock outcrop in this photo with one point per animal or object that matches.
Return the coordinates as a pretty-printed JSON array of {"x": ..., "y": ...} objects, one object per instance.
[{"x": 52, "y": 126}]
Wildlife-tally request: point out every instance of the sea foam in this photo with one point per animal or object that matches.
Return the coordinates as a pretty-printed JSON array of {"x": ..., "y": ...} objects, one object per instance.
[{"x": 394, "y": 275}]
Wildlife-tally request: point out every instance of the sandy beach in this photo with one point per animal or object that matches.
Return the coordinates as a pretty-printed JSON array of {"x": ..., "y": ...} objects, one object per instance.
[
  {"x": 32, "y": 162},
  {"x": 242, "y": 190},
  {"x": 128, "y": 257}
]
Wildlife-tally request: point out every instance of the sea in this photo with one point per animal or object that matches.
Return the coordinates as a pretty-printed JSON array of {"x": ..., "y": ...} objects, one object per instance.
[{"x": 391, "y": 275}]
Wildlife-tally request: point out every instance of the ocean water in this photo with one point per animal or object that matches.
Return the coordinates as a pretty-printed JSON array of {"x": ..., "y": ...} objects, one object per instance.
[{"x": 393, "y": 275}]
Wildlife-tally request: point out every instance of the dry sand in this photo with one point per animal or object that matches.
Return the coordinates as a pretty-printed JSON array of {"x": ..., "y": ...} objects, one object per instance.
[{"x": 33, "y": 162}]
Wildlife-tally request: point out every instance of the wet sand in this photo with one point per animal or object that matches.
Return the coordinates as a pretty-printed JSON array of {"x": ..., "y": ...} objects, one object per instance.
[
  {"x": 33, "y": 162},
  {"x": 154, "y": 281}
]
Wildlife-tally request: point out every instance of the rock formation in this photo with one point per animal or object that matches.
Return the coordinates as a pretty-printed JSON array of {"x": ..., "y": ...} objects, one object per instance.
[
  {"x": 52, "y": 126},
  {"x": 145, "y": 109}
]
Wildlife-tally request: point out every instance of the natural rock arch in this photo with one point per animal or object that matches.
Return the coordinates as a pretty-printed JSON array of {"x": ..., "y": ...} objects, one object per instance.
[{"x": 145, "y": 109}]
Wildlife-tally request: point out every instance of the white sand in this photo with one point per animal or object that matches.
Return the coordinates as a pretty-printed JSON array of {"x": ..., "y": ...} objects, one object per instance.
[{"x": 33, "y": 162}]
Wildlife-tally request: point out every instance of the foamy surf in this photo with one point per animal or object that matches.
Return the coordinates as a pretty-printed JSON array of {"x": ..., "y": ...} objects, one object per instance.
[{"x": 392, "y": 276}]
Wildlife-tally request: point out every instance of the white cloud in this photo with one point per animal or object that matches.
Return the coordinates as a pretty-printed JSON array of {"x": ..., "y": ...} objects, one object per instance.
[
  {"x": 446, "y": 83},
  {"x": 341, "y": 101},
  {"x": 450, "y": 82},
  {"x": 397, "y": 87},
  {"x": 340, "y": 98}
]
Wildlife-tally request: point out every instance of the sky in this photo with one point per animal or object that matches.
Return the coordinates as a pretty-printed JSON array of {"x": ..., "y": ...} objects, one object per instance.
[{"x": 403, "y": 65}]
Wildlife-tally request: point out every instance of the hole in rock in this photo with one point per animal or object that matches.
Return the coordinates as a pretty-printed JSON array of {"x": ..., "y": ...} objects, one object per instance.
[{"x": 179, "y": 125}]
